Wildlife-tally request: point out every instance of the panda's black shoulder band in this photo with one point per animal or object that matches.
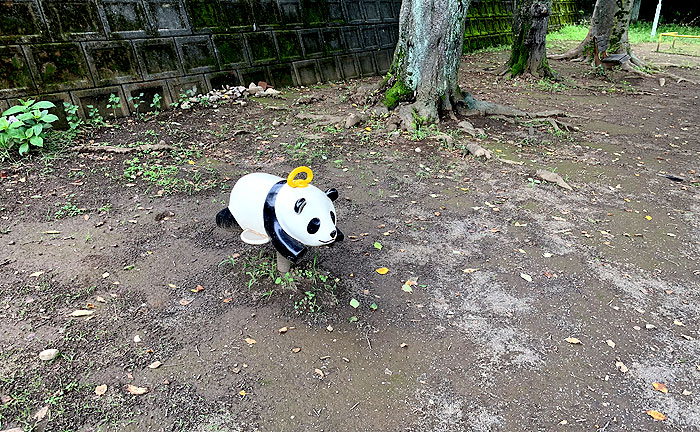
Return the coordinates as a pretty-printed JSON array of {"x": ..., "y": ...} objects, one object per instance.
[{"x": 290, "y": 248}]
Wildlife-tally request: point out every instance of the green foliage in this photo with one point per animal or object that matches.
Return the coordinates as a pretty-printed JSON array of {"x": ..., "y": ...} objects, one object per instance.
[
  {"x": 185, "y": 97},
  {"x": 72, "y": 117},
  {"x": 551, "y": 86},
  {"x": 68, "y": 210},
  {"x": 136, "y": 100},
  {"x": 114, "y": 103},
  {"x": 24, "y": 126},
  {"x": 306, "y": 283},
  {"x": 156, "y": 104},
  {"x": 94, "y": 117}
]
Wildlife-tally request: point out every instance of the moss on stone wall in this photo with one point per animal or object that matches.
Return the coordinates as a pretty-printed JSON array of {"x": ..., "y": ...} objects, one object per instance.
[{"x": 489, "y": 22}]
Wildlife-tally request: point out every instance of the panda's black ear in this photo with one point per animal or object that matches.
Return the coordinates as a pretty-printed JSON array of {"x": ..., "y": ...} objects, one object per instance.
[
  {"x": 332, "y": 193},
  {"x": 299, "y": 206}
]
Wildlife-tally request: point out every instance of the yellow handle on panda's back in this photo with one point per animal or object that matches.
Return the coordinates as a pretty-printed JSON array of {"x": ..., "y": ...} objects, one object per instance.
[{"x": 301, "y": 183}]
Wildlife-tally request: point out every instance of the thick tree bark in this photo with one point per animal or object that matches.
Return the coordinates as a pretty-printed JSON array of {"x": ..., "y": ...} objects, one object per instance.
[
  {"x": 529, "y": 53},
  {"x": 426, "y": 60},
  {"x": 636, "y": 6}
]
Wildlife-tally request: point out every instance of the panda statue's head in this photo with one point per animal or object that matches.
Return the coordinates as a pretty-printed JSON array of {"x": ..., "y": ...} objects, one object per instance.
[
  {"x": 303, "y": 215},
  {"x": 308, "y": 214}
]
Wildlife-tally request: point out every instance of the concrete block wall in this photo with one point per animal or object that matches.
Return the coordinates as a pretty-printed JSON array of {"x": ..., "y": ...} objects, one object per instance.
[
  {"x": 82, "y": 51},
  {"x": 490, "y": 22}
]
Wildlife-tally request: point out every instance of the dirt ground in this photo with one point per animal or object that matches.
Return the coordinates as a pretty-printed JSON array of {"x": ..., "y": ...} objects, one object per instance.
[{"x": 506, "y": 268}]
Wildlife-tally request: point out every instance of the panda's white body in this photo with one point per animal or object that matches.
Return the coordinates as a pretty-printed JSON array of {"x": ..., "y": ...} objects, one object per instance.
[
  {"x": 269, "y": 209},
  {"x": 247, "y": 202}
]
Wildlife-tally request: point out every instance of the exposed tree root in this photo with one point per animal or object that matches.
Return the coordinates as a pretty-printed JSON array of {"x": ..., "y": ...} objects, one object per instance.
[
  {"x": 678, "y": 78},
  {"x": 575, "y": 54},
  {"x": 112, "y": 149},
  {"x": 630, "y": 67}
]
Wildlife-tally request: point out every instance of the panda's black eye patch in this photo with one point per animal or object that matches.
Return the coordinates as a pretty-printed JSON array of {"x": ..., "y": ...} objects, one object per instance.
[
  {"x": 333, "y": 217},
  {"x": 314, "y": 225},
  {"x": 299, "y": 206}
]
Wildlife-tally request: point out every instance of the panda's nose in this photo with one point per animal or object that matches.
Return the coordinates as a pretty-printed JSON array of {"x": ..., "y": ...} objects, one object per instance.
[{"x": 334, "y": 233}]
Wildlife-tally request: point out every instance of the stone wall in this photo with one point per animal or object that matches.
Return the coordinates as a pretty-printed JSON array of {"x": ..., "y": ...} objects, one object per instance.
[
  {"x": 490, "y": 22},
  {"x": 82, "y": 51}
]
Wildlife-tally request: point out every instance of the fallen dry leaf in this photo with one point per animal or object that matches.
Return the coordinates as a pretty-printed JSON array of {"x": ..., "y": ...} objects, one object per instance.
[
  {"x": 198, "y": 289},
  {"x": 242, "y": 393},
  {"x": 185, "y": 301},
  {"x": 678, "y": 323},
  {"x": 656, "y": 415},
  {"x": 296, "y": 350},
  {"x": 136, "y": 390},
  {"x": 573, "y": 341},
  {"x": 382, "y": 270},
  {"x": 81, "y": 313},
  {"x": 228, "y": 300},
  {"x": 39, "y": 416},
  {"x": 250, "y": 341},
  {"x": 660, "y": 387},
  {"x": 155, "y": 365},
  {"x": 101, "y": 389},
  {"x": 621, "y": 366}
]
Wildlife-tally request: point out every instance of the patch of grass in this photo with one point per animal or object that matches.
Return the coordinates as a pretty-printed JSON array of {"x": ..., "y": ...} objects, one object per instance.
[
  {"x": 310, "y": 286},
  {"x": 548, "y": 85},
  {"x": 497, "y": 48},
  {"x": 171, "y": 178},
  {"x": 68, "y": 210},
  {"x": 638, "y": 32},
  {"x": 304, "y": 150}
]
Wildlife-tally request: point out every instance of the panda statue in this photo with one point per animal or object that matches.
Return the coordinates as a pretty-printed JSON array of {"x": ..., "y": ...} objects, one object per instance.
[{"x": 290, "y": 213}]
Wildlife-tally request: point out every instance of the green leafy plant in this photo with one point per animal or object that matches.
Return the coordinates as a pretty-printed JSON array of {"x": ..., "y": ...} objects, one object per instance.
[
  {"x": 136, "y": 101},
  {"x": 94, "y": 116},
  {"x": 24, "y": 126},
  {"x": 114, "y": 104},
  {"x": 156, "y": 103},
  {"x": 72, "y": 117}
]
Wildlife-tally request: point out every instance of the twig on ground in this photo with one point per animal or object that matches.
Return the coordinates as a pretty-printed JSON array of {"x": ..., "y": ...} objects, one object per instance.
[{"x": 113, "y": 149}]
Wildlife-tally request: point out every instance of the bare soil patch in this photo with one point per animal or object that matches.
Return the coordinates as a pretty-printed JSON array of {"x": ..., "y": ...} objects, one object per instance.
[{"x": 506, "y": 268}]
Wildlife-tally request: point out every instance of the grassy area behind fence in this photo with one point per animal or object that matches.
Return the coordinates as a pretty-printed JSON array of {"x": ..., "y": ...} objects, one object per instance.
[{"x": 638, "y": 33}]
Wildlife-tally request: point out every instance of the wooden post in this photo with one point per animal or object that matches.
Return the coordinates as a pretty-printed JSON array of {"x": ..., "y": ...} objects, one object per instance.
[
  {"x": 283, "y": 264},
  {"x": 656, "y": 19}
]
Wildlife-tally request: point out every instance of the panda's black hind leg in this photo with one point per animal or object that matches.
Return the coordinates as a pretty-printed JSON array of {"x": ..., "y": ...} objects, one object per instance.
[{"x": 224, "y": 219}]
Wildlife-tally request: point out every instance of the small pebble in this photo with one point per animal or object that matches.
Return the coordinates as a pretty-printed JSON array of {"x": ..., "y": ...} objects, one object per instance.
[{"x": 48, "y": 354}]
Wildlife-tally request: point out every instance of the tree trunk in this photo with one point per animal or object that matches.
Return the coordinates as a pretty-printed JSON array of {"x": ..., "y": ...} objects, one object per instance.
[
  {"x": 426, "y": 60},
  {"x": 610, "y": 25},
  {"x": 601, "y": 25},
  {"x": 635, "y": 11},
  {"x": 529, "y": 53}
]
